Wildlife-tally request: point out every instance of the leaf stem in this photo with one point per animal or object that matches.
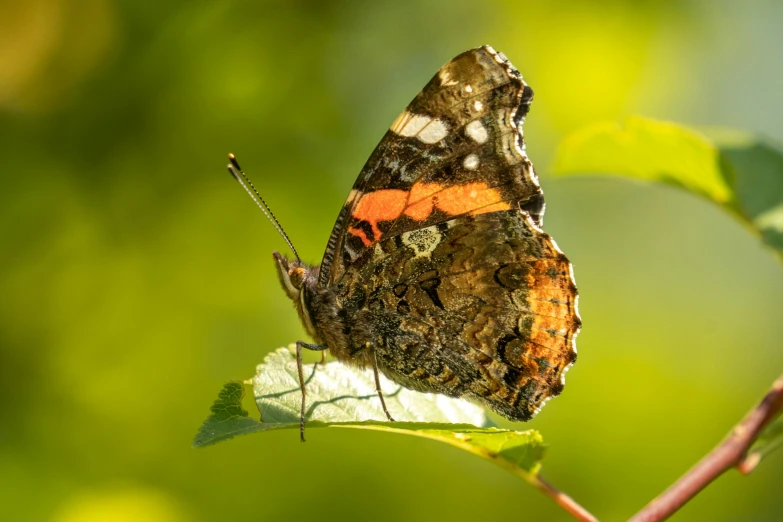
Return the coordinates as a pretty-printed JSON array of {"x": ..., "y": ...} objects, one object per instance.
[
  {"x": 532, "y": 478},
  {"x": 732, "y": 452},
  {"x": 563, "y": 500}
]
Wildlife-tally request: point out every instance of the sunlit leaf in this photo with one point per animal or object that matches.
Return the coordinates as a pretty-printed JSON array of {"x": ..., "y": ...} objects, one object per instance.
[
  {"x": 740, "y": 172},
  {"x": 339, "y": 393},
  {"x": 339, "y": 396}
]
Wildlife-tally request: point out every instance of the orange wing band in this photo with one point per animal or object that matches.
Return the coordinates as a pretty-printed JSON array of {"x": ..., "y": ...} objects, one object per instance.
[{"x": 419, "y": 203}]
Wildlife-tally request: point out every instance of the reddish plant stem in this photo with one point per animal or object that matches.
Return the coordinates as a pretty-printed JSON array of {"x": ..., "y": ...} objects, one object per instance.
[
  {"x": 732, "y": 452},
  {"x": 564, "y": 501}
]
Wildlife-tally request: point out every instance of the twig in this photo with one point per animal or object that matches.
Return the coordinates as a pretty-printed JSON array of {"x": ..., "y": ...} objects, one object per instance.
[
  {"x": 564, "y": 501},
  {"x": 730, "y": 453}
]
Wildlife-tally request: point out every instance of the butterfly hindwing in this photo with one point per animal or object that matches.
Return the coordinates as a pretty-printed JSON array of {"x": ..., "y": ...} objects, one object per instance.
[{"x": 481, "y": 306}]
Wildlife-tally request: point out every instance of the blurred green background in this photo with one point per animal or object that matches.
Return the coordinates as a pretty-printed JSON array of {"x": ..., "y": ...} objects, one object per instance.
[{"x": 136, "y": 277}]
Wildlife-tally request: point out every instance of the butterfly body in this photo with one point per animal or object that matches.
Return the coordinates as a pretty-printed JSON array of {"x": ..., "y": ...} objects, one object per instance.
[{"x": 437, "y": 273}]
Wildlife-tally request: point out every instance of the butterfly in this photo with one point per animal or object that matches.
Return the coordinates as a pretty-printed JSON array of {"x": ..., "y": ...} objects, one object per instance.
[{"x": 437, "y": 273}]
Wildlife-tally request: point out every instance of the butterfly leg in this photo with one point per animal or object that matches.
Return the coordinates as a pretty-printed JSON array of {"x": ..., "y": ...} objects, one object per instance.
[
  {"x": 300, "y": 369},
  {"x": 378, "y": 385}
]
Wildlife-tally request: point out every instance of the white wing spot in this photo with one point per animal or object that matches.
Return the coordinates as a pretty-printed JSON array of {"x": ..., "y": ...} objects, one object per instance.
[
  {"x": 468, "y": 89},
  {"x": 422, "y": 241},
  {"x": 433, "y": 132},
  {"x": 476, "y": 131},
  {"x": 423, "y": 127},
  {"x": 478, "y": 105},
  {"x": 408, "y": 124},
  {"x": 471, "y": 162}
]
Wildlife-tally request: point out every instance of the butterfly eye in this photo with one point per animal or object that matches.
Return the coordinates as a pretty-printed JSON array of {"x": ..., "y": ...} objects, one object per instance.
[{"x": 297, "y": 275}]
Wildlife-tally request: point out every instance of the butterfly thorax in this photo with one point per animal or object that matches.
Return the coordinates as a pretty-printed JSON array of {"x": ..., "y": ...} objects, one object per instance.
[{"x": 324, "y": 318}]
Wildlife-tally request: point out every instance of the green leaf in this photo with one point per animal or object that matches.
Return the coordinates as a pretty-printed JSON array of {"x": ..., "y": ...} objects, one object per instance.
[
  {"x": 339, "y": 396},
  {"x": 228, "y": 418},
  {"x": 738, "y": 171},
  {"x": 337, "y": 393}
]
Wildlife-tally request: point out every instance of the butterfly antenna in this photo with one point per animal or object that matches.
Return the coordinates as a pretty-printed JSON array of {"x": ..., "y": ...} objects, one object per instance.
[{"x": 238, "y": 174}]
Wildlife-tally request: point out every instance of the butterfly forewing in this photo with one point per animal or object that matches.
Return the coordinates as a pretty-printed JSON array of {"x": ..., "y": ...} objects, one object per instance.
[{"x": 456, "y": 149}]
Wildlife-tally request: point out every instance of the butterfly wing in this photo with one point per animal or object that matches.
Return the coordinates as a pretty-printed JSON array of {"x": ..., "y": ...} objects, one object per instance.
[
  {"x": 455, "y": 150},
  {"x": 482, "y": 306},
  {"x": 438, "y": 262}
]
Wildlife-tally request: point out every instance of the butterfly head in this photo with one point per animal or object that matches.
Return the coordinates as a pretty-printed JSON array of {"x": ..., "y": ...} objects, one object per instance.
[
  {"x": 294, "y": 275},
  {"x": 299, "y": 282}
]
